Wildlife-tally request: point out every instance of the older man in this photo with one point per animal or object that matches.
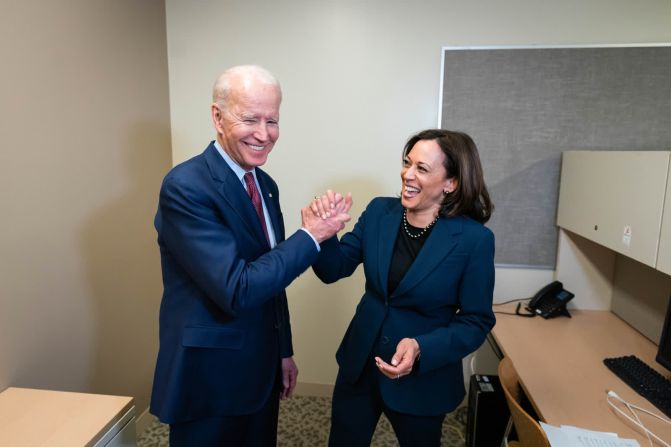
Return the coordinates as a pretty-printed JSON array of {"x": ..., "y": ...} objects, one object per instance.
[{"x": 225, "y": 354}]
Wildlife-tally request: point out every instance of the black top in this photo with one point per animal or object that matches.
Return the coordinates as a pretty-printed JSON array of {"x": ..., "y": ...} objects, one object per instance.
[{"x": 406, "y": 250}]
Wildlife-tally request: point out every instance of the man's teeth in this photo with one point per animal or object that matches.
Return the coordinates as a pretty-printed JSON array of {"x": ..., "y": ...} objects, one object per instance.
[{"x": 256, "y": 148}]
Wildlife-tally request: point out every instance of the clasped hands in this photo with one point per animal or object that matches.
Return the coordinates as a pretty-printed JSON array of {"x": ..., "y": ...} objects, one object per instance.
[{"x": 326, "y": 215}]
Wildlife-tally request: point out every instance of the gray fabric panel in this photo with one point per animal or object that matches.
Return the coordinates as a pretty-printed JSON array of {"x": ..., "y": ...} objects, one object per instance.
[{"x": 523, "y": 107}]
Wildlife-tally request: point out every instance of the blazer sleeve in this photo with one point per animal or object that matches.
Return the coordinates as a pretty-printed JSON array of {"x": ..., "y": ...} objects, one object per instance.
[
  {"x": 340, "y": 258},
  {"x": 471, "y": 324},
  {"x": 206, "y": 248}
]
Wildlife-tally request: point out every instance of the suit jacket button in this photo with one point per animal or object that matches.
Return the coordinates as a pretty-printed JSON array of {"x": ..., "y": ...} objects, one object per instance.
[{"x": 384, "y": 340}]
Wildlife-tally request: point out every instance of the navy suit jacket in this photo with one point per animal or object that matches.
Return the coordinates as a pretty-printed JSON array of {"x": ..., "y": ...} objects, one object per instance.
[
  {"x": 444, "y": 301},
  {"x": 224, "y": 321}
]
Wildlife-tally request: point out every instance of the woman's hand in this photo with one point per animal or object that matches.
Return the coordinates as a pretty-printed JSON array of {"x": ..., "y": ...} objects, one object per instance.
[
  {"x": 407, "y": 351},
  {"x": 331, "y": 204}
]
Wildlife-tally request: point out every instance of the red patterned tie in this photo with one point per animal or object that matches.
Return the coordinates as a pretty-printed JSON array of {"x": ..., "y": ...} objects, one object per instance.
[{"x": 256, "y": 201}]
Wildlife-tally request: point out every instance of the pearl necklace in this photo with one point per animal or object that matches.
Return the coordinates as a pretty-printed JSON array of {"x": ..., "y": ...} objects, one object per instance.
[{"x": 421, "y": 233}]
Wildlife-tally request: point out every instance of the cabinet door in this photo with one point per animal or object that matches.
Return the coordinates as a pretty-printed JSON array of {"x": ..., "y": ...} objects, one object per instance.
[
  {"x": 615, "y": 198},
  {"x": 664, "y": 255}
]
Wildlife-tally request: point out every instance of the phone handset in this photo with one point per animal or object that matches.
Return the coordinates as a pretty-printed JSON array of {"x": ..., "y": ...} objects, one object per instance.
[{"x": 548, "y": 302}]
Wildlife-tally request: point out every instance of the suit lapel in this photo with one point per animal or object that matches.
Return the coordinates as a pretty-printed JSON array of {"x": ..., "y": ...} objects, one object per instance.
[
  {"x": 389, "y": 225},
  {"x": 272, "y": 205},
  {"x": 440, "y": 243},
  {"x": 231, "y": 190}
]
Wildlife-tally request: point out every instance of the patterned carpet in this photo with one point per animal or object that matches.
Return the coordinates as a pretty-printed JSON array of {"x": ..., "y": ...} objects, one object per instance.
[{"x": 305, "y": 422}]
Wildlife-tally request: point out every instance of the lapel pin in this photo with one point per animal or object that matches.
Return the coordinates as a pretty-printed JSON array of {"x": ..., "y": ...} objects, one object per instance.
[{"x": 270, "y": 194}]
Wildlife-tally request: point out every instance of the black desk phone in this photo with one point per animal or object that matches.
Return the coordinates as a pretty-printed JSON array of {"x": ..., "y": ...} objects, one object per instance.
[{"x": 549, "y": 302}]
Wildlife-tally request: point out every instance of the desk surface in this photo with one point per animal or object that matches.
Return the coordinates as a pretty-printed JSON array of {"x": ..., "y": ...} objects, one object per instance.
[
  {"x": 33, "y": 417},
  {"x": 560, "y": 365}
]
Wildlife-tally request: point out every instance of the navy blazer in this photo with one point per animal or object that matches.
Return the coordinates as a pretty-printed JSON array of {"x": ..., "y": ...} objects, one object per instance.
[
  {"x": 224, "y": 321},
  {"x": 444, "y": 301}
]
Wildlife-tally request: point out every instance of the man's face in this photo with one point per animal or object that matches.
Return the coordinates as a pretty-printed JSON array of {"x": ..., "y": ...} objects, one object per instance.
[{"x": 249, "y": 127}]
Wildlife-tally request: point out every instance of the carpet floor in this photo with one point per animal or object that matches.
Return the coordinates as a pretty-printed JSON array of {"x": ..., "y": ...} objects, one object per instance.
[{"x": 305, "y": 422}]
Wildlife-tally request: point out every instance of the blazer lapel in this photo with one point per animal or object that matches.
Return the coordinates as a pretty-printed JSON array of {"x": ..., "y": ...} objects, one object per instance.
[
  {"x": 389, "y": 225},
  {"x": 440, "y": 243},
  {"x": 234, "y": 194}
]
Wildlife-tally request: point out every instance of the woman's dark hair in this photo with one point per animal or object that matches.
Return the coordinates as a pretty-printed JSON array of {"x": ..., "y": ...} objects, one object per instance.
[{"x": 462, "y": 162}]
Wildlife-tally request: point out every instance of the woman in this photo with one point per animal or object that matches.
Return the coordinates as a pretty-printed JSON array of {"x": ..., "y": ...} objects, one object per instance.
[{"x": 429, "y": 267}]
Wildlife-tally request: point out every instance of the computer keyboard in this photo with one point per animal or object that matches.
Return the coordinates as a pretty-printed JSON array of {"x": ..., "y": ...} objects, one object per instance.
[{"x": 643, "y": 379}]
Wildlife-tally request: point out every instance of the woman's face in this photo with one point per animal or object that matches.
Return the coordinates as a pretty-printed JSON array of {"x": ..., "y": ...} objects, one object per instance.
[{"x": 424, "y": 177}]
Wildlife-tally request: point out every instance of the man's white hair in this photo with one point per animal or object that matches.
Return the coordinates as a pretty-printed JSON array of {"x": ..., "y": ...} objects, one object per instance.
[{"x": 224, "y": 83}]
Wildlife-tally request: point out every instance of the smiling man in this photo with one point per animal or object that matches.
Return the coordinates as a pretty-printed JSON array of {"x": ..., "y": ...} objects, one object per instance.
[{"x": 225, "y": 356}]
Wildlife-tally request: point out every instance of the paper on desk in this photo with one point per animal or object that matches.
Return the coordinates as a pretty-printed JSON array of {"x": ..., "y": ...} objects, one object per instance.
[
  {"x": 583, "y": 431},
  {"x": 569, "y": 436}
]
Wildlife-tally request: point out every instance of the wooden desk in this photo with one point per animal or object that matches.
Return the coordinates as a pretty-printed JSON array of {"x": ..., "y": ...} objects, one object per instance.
[
  {"x": 30, "y": 417},
  {"x": 560, "y": 365}
]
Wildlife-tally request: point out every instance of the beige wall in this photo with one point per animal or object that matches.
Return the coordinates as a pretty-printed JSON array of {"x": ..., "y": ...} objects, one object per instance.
[
  {"x": 359, "y": 77},
  {"x": 85, "y": 138}
]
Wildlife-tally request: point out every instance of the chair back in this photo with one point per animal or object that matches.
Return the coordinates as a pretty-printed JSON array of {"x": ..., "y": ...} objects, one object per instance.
[{"x": 529, "y": 431}]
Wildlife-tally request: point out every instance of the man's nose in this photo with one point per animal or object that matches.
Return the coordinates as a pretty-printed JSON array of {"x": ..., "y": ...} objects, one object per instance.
[{"x": 261, "y": 132}]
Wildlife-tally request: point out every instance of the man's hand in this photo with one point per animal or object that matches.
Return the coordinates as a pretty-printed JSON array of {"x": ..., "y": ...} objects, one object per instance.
[
  {"x": 289, "y": 376},
  {"x": 407, "y": 351}
]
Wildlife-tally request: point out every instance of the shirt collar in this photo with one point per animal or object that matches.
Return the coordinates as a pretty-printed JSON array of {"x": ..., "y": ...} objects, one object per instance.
[{"x": 239, "y": 172}]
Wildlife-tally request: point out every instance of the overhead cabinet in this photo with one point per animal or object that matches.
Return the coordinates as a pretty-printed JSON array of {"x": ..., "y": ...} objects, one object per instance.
[{"x": 621, "y": 200}]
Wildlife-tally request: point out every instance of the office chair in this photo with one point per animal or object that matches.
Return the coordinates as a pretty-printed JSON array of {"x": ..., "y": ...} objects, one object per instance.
[{"x": 528, "y": 430}]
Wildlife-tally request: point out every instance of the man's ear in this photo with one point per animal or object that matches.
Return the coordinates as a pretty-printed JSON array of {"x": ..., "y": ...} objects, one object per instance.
[{"x": 216, "y": 117}]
